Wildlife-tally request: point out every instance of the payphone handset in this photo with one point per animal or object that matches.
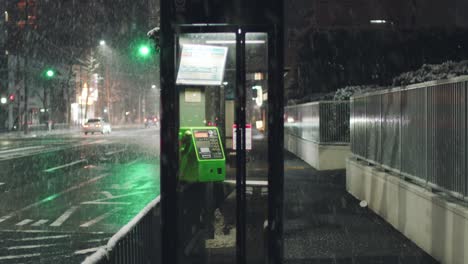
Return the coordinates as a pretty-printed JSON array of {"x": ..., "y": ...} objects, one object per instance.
[{"x": 201, "y": 155}]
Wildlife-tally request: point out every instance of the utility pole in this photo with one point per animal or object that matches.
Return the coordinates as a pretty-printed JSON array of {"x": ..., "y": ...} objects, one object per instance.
[
  {"x": 25, "y": 72},
  {"x": 108, "y": 91}
]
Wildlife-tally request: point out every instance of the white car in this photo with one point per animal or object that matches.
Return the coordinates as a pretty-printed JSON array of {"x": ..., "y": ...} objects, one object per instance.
[{"x": 96, "y": 125}]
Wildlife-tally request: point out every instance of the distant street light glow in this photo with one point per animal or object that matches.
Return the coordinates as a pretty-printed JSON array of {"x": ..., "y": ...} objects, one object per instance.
[
  {"x": 153, "y": 86},
  {"x": 378, "y": 21},
  {"x": 102, "y": 42},
  {"x": 3, "y": 100},
  {"x": 50, "y": 73}
]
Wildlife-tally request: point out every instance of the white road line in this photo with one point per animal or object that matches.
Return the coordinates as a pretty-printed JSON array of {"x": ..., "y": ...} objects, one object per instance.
[
  {"x": 20, "y": 256},
  {"x": 2, "y": 183},
  {"x": 25, "y": 222},
  {"x": 96, "y": 202},
  {"x": 133, "y": 162},
  {"x": 64, "y": 216},
  {"x": 107, "y": 194},
  {"x": 31, "y": 246},
  {"x": 20, "y": 149},
  {"x": 99, "y": 218},
  {"x": 42, "y": 238},
  {"x": 114, "y": 152},
  {"x": 52, "y": 197},
  {"x": 65, "y": 165},
  {"x": 114, "y": 197},
  {"x": 88, "y": 250},
  {"x": 40, "y": 222},
  {"x": 6, "y": 217},
  {"x": 148, "y": 185}
]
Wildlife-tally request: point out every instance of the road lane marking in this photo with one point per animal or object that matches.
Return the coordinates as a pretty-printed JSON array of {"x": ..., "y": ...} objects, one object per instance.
[
  {"x": 100, "y": 203},
  {"x": 133, "y": 162},
  {"x": 20, "y": 149},
  {"x": 64, "y": 216},
  {"x": 100, "y": 218},
  {"x": 88, "y": 250},
  {"x": 6, "y": 217},
  {"x": 2, "y": 183},
  {"x": 25, "y": 222},
  {"x": 114, "y": 152},
  {"x": 42, "y": 238},
  {"x": 52, "y": 197},
  {"x": 107, "y": 194},
  {"x": 148, "y": 185},
  {"x": 105, "y": 200},
  {"x": 20, "y": 256},
  {"x": 40, "y": 222},
  {"x": 65, "y": 165},
  {"x": 31, "y": 246}
]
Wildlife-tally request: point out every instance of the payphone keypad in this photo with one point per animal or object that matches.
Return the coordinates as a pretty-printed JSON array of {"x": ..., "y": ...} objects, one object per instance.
[{"x": 207, "y": 144}]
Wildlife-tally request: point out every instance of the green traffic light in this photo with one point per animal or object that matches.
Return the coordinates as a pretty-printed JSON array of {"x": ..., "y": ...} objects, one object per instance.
[
  {"x": 50, "y": 73},
  {"x": 144, "y": 50}
]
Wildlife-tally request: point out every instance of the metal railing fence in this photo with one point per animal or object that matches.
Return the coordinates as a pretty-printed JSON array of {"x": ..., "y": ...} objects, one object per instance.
[
  {"x": 419, "y": 131},
  {"x": 137, "y": 242},
  {"x": 321, "y": 122}
]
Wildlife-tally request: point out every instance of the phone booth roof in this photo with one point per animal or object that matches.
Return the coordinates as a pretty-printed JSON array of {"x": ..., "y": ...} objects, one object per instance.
[{"x": 234, "y": 12}]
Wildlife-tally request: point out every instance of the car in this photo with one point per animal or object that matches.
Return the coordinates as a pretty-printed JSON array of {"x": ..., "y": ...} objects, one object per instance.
[
  {"x": 151, "y": 121},
  {"x": 97, "y": 125}
]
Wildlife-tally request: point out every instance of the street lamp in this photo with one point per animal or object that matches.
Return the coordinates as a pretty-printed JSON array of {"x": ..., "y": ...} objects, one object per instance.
[
  {"x": 3, "y": 100},
  {"x": 153, "y": 86},
  {"x": 102, "y": 42}
]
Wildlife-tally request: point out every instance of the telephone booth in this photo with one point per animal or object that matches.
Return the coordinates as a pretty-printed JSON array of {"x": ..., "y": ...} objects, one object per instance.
[{"x": 221, "y": 66}]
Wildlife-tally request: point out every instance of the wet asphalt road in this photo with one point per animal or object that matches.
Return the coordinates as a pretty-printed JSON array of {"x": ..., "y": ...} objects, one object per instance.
[{"x": 64, "y": 196}]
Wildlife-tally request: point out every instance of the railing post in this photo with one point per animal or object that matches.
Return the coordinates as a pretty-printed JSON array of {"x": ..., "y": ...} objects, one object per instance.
[
  {"x": 400, "y": 129},
  {"x": 465, "y": 192},
  {"x": 426, "y": 115}
]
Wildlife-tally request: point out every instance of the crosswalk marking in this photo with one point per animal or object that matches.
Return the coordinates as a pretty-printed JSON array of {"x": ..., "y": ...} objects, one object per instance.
[
  {"x": 20, "y": 256},
  {"x": 64, "y": 216},
  {"x": 25, "y": 222},
  {"x": 85, "y": 251},
  {"x": 31, "y": 246},
  {"x": 99, "y": 218},
  {"x": 42, "y": 238},
  {"x": 40, "y": 222},
  {"x": 6, "y": 217}
]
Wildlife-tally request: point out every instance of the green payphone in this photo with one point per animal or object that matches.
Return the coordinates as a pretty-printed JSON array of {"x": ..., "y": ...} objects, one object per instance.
[{"x": 201, "y": 155}]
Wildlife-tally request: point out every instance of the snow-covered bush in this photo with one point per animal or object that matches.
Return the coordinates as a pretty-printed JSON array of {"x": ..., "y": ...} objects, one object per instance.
[{"x": 432, "y": 72}]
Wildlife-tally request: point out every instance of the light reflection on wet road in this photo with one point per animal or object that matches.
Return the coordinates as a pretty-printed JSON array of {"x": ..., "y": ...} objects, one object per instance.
[{"x": 62, "y": 197}]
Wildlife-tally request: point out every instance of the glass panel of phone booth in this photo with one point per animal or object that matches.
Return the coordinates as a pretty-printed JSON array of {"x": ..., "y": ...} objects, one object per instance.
[
  {"x": 256, "y": 70},
  {"x": 206, "y": 79}
]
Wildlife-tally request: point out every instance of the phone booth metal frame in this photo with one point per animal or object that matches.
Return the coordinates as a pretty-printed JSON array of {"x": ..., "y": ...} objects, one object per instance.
[{"x": 239, "y": 17}]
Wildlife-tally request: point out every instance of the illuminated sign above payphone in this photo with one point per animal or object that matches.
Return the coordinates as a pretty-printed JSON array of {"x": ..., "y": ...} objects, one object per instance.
[{"x": 202, "y": 65}]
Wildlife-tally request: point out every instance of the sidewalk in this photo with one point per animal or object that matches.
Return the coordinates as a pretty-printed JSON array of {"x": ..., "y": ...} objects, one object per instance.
[{"x": 325, "y": 224}]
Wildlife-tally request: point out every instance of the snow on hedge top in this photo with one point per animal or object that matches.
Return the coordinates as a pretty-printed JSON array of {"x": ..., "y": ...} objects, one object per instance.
[{"x": 432, "y": 72}]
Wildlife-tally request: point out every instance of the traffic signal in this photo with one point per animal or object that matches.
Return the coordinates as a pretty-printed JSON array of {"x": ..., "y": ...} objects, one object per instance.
[
  {"x": 144, "y": 50},
  {"x": 50, "y": 73},
  {"x": 11, "y": 97}
]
